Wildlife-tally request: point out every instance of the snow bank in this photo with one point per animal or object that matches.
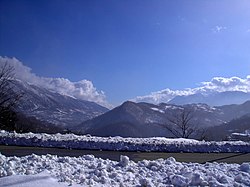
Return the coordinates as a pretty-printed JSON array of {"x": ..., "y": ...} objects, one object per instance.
[
  {"x": 90, "y": 171},
  {"x": 121, "y": 144},
  {"x": 39, "y": 180}
]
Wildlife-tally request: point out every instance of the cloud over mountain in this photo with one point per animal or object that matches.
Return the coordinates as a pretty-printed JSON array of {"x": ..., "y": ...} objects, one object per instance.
[
  {"x": 83, "y": 89},
  {"x": 217, "y": 84},
  {"x": 222, "y": 84}
]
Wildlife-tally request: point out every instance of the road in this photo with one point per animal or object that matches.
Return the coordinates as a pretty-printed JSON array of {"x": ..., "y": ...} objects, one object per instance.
[{"x": 135, "y": 156}]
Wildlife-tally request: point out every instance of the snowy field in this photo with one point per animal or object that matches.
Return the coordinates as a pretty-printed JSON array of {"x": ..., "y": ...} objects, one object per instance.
[
  {"x": 52, "y": 170},
  {"x": 49, "y": 170},
  {"x": 121, "y": 144}
]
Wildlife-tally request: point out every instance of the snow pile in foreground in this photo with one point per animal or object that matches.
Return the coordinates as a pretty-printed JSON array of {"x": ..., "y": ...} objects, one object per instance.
[
  {"x": 90, "y": 171},
  {"x": 121, "y": 144},
  {"x": 39, "y": 180}
]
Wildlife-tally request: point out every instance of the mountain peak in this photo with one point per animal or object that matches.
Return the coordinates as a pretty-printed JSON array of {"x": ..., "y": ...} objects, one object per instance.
[
  {"x": 213, "y": 99},
  {"x": 127, "y": 104},
  {"x": 53, "y": 107}
]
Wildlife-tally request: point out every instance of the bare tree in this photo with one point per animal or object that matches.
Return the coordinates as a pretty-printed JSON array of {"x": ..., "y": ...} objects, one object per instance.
[
  {"x": 182, "y": 125},
  {"x": 8, "y": 97}
]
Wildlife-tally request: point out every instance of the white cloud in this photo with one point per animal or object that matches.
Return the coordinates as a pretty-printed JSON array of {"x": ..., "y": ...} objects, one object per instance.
[
  {"x": 162, "y": 96},
  {"x": 83, "y": 89},
  {"x": 218, "y": 29},
  {"x": 217, "y": 84},
  {"x": 222, "y": 84}
]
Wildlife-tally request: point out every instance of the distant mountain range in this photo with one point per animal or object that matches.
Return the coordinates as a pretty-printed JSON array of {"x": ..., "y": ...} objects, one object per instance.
[
  {"x": 41, "y": 110},
  {"x": 212, "y": 98},
  {"x": 144, "y": 119},
  {"x": 54, "y": 108}
]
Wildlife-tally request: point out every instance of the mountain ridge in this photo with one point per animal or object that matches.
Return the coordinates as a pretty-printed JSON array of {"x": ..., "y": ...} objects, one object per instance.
[
  {"x": 52, "y": 107},
  {"x": 145, "y": 119}
]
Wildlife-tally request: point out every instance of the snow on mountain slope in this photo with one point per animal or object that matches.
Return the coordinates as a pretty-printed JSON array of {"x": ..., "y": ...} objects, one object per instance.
[
  {"x": 144, "y": 119},
  {"x": 128, "y": 120},
  {"x": 52, "y": 107}
]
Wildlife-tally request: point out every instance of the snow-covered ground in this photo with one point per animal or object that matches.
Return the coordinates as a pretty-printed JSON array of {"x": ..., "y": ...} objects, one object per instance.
[
  {"x": 50, "y": 170},
  {"x": 121, "y": 144}
]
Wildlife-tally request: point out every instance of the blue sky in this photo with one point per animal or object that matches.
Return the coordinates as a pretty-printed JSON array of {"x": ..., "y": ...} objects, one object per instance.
[{"x": 129, "y": 48}]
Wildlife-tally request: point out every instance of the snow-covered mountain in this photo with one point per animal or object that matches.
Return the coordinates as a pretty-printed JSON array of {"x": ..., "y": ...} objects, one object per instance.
[
  {"x": 216, "y": 92},
  {"x": 212, "y": 98},
  {"x": 144, "y": 119},
  {"x": 54, "y": 108}
]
